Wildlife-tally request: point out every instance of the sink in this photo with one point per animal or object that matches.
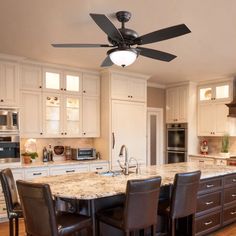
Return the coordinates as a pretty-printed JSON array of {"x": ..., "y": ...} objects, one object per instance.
[{"x": 113, "y": 173}]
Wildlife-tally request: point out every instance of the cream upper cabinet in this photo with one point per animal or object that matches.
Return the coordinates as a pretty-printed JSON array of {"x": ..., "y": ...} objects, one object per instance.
[
  {"x": 31, "y": 77},
  {"x": 31, "y": 124},
  {"x": 213, "y": 117},
  {"x": 217, "y": 92},
  {"x": 177, "y": 104},
  {"x": 61, "y": 115},
  {"x": 58, "y": 80},
  {"x": 91, "y": 116},
  {"x": 91, "y": 84},
  {"x": 125, "y": 87},
  {"x": 9, "y": 84}
]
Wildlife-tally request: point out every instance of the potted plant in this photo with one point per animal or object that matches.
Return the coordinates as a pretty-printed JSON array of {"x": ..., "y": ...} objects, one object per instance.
[
  {"x": 28, "y": 157},
  {"x": 225, "y": 146}
]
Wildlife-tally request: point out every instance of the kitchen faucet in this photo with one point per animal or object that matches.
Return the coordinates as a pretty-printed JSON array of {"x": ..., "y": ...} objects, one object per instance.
[{"x": 125, "y": 167}]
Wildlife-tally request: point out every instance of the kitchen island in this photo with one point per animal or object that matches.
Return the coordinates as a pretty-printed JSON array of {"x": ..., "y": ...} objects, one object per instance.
[{"x": 216, "y": 206}]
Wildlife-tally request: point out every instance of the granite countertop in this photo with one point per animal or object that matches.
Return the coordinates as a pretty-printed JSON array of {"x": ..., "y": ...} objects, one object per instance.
[
  {"x": 92, "y": 185},
  {"x": 213, "y": 156},
  {"x": 39, "y": 164}
]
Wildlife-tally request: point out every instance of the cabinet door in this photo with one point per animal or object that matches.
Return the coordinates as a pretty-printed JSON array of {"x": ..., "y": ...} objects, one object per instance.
[
  {"x": 9, "y": 84},
  {"x": 138, "y": 90},
  {"x": 206, "y": 119},
  {"x": 52, "y": 115},
  {"x": 91, "y": 116},
  {"x": 31, "y": 114},
  {"x": 120, "y": 87},
  {"x": 72, "y": 82},
  {"x": 128, "y": 128},
  {"x": 91, "y": 84},
  {"x": 53, "y": 80},
  {"x": 172, "y": 105},
  {"x": 72, "y": 116},
  {"x": 31, "y": 77},
  {"x": 221, "y": 119},
  {"x": 183, "y": 104}
]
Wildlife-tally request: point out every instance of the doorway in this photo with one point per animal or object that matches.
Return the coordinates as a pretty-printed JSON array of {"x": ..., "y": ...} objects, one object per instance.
[{"x": 155, "y": 155}]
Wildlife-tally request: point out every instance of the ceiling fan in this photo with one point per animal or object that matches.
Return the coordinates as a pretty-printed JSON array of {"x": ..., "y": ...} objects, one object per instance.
[{"x": 122, "y": 41}]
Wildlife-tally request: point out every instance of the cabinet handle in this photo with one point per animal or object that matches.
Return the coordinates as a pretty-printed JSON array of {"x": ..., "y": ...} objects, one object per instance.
[
  {"x": 99, "y": 168},
  {"x": 208, "y": 223},
  {"x": 210, "y": 185},
  {"x": 232, "y": 212},
  {"x": 37, "y": 173},
  {"x": 209, "y": 203},
  {"x": 62, "y": 133},
  {"x": 233, "y": 195},
  {"x": 70, "y": 171},
  {"x": 40, "y": 86},
  {"x": 113, "y": 140},
  {"x": 41, "y": 133}
]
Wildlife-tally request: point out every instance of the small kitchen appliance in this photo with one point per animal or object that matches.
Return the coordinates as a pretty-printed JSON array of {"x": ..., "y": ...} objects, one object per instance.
[{"x": 80, "y": 154}]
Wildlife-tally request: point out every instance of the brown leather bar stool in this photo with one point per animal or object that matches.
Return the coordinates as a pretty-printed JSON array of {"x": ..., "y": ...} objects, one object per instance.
[
  {"x": 183, "y": 201},
  {"x": 14, "y": 211},
  {"x": 139, "y": 210},
  {"x": 40, "y": 215}
]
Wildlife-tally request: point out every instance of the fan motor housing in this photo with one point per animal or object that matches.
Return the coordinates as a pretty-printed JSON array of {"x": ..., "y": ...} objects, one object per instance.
[{"x": 129, "y": 36}]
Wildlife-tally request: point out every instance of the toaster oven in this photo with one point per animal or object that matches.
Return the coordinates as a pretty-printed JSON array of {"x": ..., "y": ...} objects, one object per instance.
[{"x": 80, "y": 154}]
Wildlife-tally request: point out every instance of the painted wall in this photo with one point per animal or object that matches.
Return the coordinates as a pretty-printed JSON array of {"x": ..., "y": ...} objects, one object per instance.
[{"x": 155, "y": 97}]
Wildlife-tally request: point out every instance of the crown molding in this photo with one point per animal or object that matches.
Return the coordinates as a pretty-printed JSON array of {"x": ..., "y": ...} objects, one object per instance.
[{"x": 155, "y": 85}]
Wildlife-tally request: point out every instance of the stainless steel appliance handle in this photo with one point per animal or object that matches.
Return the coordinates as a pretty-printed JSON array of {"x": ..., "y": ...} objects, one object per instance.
[
  {"x": 175, "y": 129},
  {"x": 113, "y": 140},
  {"x": 176, "y": 152}
]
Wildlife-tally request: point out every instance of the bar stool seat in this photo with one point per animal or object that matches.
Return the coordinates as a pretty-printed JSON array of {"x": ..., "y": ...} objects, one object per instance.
[
  {"x": 139, "y": 210},
  {"x": 14, "y": 210},
  {"x": 40, "y": 213},
  {"x": 183, "y": 201}
]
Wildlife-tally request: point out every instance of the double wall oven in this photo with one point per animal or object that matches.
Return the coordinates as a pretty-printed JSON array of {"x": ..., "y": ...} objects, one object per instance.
[
  {"x": 176, "y": 142},
  {"x": 9, "y": 136}
]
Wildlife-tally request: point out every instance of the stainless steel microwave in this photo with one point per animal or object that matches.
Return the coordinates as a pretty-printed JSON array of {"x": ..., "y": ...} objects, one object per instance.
[{"x": 9, "y": 120}]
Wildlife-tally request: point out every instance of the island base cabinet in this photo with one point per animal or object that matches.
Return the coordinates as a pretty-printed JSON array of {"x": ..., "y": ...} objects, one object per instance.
[
  {"x": 208, "y": 223},
  {"x": 229, "y": 215}
]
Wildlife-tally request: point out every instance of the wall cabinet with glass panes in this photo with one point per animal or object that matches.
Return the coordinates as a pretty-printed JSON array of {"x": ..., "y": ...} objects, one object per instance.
[
  {"x": 61, "y": 97},
  {"x": 213, "y": 117}
]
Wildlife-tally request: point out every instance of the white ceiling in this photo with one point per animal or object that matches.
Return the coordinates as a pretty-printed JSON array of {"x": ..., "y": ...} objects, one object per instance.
[{"x": 28, "y": 27}]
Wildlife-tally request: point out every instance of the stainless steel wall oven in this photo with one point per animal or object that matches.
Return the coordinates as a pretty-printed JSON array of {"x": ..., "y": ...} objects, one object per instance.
[{"x": 177, "y": 139}]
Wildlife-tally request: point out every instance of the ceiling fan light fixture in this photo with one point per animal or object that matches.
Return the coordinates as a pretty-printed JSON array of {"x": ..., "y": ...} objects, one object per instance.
[{"x": 124, "y": 57}]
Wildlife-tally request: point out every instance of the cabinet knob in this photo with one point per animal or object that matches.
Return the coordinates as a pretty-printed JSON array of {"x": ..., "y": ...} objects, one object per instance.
[
  {"x": 65, "y": 133},
  {"x": 84, "y": 91},
  {"x": 61, "y": 88},
  {"x": 2, "y": 100},
  {"x": 84, "y": 133},
  {"x": 131, "y": 96},
  {"x": 40, "y": 86},
  {"x": 41, "y": 133},
  {"x": 62, "y": 133},
  {"x": 64, "y": 89}
]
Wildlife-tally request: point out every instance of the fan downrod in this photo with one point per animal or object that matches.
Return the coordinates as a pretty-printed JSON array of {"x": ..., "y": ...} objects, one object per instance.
[{"x": 123, "y": 16}]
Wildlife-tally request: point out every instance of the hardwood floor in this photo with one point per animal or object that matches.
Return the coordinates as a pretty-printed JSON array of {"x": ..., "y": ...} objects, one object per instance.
[{"x": 227, "y": 231}]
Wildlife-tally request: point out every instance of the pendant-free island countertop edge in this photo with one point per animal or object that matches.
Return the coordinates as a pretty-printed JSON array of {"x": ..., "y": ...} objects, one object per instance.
[{"x": 89, "y": 186}]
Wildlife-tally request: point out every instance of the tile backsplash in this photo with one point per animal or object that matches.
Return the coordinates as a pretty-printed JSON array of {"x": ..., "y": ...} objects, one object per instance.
[
  {"x": 214, "y": 144},
  {"x": 72, "y": 142}
]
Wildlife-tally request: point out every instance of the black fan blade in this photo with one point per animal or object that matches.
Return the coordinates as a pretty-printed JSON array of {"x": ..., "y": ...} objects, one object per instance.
[
  {"x": 79, "y": 45},
  {"x": 155, "y": 54},
  {"x": 107, "y": 62},
  {"x": 106, "y": 25},
  {"x": 163, "y": 34}
]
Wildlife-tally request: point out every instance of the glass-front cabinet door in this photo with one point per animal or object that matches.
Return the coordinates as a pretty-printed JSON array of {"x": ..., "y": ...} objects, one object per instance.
[
  {"x": 72, "y": 116},
  {"x": 72, "y": 82},
  {"x": 52, "y": 80},
  {"x": 52, "y": 115}
]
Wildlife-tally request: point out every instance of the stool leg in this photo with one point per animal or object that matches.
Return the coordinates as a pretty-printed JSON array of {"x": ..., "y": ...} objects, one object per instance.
[
  {"x": 153, "y": 230},
  {"x": 127, "y": 233},
  {"x": 11, "y": 229},
  {"x": 16, "y": 226},
  {"x": 193, "y": 224},
  {"x": 172, "y": 228}
]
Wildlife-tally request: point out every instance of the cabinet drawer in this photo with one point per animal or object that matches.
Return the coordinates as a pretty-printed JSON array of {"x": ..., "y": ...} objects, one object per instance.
[
  {"x": 99, "y": 167},
  {"x": 230, "y": 180},
  {"x": 229, "y": 195},
  {"x": 221, "y": 162},
  {"x": 209, "y": 202},
  {"x": 62, "y": 170},
  {"x": 207, "y": 223},
  {"x": 229, "y": 215},
  {"x": 36, "y": 173},
  {"x": 210, "y": 185}
]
